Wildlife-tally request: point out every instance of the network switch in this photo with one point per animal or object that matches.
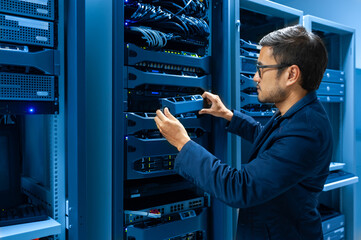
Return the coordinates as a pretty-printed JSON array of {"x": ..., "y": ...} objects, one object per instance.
[
  {"x": 166, "y": 59},
  {"x": 171, "y": 228},
  {"x": 137, "y": 78},
  {"x": 167, "y": 209}
]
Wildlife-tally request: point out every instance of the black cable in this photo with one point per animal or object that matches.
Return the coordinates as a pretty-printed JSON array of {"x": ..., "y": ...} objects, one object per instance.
[
  {"x": 158, "y": 18},
  {"x": 183, "y": 8}
]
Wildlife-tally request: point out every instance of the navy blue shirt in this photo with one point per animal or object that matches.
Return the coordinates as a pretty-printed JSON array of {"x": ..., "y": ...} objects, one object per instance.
[{"x": 277, "y": 190}]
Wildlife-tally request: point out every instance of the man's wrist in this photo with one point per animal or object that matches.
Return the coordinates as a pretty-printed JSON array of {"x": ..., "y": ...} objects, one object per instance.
[
  {"x": 228, "y": 115},
  {"x": 182, "y": 144}
]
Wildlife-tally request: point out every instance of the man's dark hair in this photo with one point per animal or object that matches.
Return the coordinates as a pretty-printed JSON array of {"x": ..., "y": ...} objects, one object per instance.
[{"x": 295, "y": 45}]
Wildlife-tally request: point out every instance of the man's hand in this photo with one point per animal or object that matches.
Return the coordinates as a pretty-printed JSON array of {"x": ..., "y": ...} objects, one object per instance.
[
  {"x": 171, "y": 129},
  {"x": 217, "y": 108}
]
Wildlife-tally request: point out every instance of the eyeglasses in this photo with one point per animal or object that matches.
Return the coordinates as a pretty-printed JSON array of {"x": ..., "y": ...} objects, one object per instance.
[{"x": 278, "y": 66}]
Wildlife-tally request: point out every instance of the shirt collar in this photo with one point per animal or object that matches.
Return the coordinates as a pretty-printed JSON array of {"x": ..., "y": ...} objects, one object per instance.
[{"x": 309, "y": 98}]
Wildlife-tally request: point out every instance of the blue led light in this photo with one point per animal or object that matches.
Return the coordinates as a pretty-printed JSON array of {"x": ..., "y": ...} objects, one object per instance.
[
  {"x": 126, "y": 24},
  {"x": 126, "y": 138},
  {"x": 155, "y": 93},
  {"x": 31, "y": 110}
]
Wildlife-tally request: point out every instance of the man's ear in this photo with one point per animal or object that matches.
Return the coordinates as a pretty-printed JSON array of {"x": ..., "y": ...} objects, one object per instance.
[{"x": 294, "y": 75}]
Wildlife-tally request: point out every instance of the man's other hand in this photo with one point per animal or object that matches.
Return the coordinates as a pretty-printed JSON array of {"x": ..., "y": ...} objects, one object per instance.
[
  {"x": 171, "y": 129},
  {"x": 217, "y": 108}
]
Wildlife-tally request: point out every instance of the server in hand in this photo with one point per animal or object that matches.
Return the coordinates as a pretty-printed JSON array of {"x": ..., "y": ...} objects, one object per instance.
[{"x": 277, "y": 190}]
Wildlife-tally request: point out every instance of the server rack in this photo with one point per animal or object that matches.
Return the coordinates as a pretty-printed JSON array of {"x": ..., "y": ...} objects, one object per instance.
[
  {"x": 142, "y": 159},
  {"x": 32, "y": 92},
  {"x": 333, "y": 92},
  {"x": 257, "y": 18},
  {"x": 337, "y": 94}
]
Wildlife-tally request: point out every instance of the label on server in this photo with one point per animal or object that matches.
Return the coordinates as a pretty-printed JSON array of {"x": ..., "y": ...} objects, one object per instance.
[{"x": 24, "y": 22}]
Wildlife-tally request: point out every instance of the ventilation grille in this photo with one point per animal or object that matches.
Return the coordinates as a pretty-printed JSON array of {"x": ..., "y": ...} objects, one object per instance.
[
  {"x": 36, "y": 8},
  {"x": 26, "y": 87},
  {"x": 26, "y": 31}
]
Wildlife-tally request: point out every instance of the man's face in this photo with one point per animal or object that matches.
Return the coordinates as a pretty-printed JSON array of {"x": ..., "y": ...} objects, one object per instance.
[{"x": 270, "y": 87}]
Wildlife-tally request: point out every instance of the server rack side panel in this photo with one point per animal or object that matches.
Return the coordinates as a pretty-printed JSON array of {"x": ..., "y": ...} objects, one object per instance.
[
  {"x": 76, "y": 120},
  {"x": 224, "y": 65},
  {"x": 118, "y": 122},
  {"x": 98, "y": 110},
  {"x": 348, "y": 134}
]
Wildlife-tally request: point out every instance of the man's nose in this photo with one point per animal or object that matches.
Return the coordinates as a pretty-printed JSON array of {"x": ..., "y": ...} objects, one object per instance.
[{"x": 256, "y": 77}]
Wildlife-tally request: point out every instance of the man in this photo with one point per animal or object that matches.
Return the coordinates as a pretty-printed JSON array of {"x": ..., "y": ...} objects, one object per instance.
[{"x": 277, "y": 190}]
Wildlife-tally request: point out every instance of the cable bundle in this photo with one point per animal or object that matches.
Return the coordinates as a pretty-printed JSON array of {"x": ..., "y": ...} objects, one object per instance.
[
  {"x": 154, "y": 38},
  {"x": 141, "y": 14},
  {"x": 196, "y": 26}
]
